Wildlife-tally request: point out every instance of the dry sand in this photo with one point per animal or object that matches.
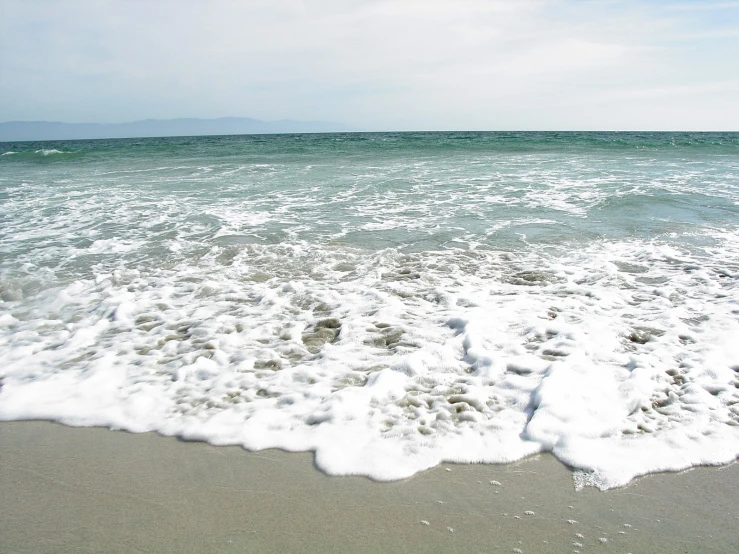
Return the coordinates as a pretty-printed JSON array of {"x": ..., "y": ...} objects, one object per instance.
[{"x": 93, "y": 490}]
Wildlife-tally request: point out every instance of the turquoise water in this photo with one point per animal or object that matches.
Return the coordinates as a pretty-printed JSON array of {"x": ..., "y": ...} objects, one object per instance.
[
  {"x": 421, "y": 191},
  {"x": 249, "y": 289}
]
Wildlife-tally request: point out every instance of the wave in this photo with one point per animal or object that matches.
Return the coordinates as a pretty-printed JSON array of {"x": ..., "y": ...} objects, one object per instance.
[
  {"x": 617, "y": 358},
  {"x": 39, "y": 154},
  {"x": 389, "y": 312}
]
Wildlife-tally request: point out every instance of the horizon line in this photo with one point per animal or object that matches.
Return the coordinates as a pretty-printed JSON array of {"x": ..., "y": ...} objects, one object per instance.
[{"x": 366, "y": 132}]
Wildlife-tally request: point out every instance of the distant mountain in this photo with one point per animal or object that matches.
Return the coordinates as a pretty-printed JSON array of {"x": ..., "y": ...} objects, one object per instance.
[{"x": 52, "y": 130}]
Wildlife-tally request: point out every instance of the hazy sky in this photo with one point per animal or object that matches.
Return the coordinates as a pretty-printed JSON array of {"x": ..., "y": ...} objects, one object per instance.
[{"x": 376, "y": 64}]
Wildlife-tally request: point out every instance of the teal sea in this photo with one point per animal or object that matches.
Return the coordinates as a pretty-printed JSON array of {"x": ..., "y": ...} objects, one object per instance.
[{"x": 390, "y": 301}]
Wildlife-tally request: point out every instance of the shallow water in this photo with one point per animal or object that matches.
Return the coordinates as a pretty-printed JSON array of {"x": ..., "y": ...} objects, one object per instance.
[{"x": 390, "y": 301}]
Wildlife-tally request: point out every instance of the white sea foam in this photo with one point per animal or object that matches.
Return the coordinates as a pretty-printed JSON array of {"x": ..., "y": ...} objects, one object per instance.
[
  {"x": 620, "y": 359},
  {"x": 390, "y": 314}
]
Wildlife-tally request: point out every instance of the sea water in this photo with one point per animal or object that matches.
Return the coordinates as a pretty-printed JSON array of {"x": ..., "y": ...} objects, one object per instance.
[{"x": 390, "y": 301}]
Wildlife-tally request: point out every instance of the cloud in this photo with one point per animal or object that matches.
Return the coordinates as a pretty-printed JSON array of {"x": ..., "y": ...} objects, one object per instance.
[
  {"x": 401, "y": 64},
  {"x": 703, "y": 6}
]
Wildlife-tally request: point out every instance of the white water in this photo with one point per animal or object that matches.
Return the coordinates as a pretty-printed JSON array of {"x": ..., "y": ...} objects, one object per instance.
[
  {"x": 620, "y": 359},
  {"x": 593, "y": 316}
]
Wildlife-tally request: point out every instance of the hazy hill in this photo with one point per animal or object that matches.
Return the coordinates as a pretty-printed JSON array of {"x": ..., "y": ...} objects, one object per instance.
[{"x": 52, "y": 130}]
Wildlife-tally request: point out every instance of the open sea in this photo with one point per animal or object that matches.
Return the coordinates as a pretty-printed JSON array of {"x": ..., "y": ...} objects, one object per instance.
[{"x": 390, "y": 301}]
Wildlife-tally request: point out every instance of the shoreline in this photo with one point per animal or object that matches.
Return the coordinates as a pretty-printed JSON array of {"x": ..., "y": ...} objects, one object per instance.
[{"x": 67, "y": 489}]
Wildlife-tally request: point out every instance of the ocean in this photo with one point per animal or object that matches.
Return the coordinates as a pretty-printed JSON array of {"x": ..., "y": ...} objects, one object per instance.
[{"x": 390, "y": 301}]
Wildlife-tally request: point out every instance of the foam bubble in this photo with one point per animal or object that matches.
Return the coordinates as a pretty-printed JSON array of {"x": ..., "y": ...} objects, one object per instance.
[{"x": 388, "y": 376}]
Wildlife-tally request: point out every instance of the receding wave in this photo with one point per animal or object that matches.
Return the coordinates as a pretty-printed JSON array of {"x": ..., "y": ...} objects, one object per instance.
[{"x": 389, "y": 308}]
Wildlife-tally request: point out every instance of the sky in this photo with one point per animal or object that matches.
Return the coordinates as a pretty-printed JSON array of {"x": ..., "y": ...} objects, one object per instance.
[{"x": 376, "y": 64}]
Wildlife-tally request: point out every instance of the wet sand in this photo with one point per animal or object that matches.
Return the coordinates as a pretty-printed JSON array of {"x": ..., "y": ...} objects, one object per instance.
[{"x": 93, "y": 490}]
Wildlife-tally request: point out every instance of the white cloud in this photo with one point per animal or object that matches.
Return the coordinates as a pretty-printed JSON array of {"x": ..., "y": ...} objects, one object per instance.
[
  {"x": 703, "y": 6},
  {"x": 374, "y": 64}
]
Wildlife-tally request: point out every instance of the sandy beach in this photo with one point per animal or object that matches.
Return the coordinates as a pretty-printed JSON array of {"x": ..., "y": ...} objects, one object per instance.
[{"x": 92, "y": 490}]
